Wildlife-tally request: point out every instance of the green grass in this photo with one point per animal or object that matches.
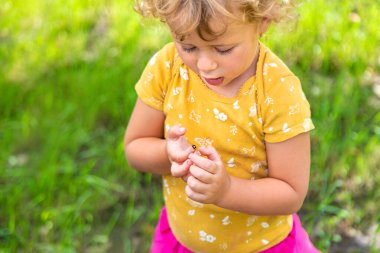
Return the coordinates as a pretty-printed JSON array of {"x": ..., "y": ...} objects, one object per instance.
[{"x": 67, "y": 72}]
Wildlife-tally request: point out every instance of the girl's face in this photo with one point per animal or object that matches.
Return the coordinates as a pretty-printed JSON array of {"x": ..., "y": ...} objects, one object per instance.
[{"x": 227, "y": 61}]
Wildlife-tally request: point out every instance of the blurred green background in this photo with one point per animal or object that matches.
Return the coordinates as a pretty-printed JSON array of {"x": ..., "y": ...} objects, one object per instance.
[{"x": 67, "y": 75}]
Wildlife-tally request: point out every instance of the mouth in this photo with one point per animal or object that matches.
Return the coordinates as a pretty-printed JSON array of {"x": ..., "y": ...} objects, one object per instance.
[{"x": 214, "y": 81}]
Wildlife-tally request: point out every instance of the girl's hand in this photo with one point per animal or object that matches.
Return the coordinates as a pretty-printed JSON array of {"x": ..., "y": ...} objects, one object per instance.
[
  {"x": 208, "y": 181},
  {"x": 178, "y": 150}
]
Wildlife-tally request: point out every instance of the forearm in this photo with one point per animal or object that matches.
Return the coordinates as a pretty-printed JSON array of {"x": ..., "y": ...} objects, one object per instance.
[
  {"x": 148, "y": 154},
  {"x": 268, "y": 196}
]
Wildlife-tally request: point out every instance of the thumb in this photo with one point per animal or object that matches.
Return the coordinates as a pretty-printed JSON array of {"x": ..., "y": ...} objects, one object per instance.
[
  {"x": 211, "y": 153},
  {"x": 175, "y": 132}
]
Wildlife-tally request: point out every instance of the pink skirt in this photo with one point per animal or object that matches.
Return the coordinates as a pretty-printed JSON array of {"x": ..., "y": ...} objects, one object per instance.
[{"x": 296, "y": 242}]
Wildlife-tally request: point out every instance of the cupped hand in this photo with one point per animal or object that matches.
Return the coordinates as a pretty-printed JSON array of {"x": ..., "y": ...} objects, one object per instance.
[
  {"x": 178, "y": 150},
  {"x": 208, "y": 181}
]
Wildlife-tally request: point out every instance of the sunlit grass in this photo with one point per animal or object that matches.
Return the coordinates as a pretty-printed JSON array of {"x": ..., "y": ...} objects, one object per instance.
[{"x": 67, "y": 73}]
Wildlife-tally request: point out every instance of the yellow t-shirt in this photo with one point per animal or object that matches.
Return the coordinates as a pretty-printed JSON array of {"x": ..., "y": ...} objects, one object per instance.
[{"x": 270, "y": 106}]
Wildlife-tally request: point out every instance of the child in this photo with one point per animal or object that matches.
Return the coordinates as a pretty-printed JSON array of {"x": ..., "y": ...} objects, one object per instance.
[{"x": 226, "y": 124}]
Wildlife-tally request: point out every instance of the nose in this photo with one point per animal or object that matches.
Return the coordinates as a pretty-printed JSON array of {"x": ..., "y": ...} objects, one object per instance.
[{"x": 206, "y": 63}]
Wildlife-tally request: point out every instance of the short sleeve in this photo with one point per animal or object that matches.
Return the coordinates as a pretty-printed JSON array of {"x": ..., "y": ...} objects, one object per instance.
[
  {"x": 286, "y": 111},
  {"x": 154, "y": 81}
]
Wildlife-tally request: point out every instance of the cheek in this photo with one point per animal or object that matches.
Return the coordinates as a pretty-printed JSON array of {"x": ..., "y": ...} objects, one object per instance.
[
  {"x": 188, "y": 60},
  {"x": 241, "y": 60},
  {"x": 234, "y": 64}
]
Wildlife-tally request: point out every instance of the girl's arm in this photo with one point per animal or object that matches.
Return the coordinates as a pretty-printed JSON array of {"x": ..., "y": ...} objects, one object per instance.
[
  {"x": 144, "y": 143},
  {"x": 147, "y": 150},
  {"x": 281, "y": 193}
]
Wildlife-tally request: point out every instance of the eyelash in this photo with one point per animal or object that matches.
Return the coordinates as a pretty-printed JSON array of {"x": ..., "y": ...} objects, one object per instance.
[
  {"x": 227, "y": 51},
  {"x": 189, "y": 50},
  {"x": 192, "y": 49}
]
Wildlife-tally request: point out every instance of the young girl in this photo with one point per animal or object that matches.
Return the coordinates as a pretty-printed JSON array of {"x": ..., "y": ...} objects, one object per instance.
[{"x": 226, "y": 124}]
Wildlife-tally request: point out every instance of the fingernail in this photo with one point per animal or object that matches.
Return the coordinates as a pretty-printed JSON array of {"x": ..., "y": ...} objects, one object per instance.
[{"x": 182, "y": 129}]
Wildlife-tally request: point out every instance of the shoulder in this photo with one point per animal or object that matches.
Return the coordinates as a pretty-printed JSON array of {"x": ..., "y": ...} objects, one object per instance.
[
  {"x": 165, "y": 55},
  {"x": 166, "y": 60},
  {"x": 272, "y": 68},
  {"x": 274, "y": 76},
  {"x": 156, "y": 77}
]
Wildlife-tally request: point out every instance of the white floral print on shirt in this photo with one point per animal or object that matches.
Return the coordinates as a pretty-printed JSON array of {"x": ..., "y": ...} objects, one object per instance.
[
  {"x": 219, "y": 115},
  {"x": 183, "y": 73},
  {"x": 206, "y": 237}
]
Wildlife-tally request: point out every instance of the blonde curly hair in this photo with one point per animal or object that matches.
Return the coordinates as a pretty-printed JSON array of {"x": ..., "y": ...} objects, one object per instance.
[{"x": 184, "y": 16}]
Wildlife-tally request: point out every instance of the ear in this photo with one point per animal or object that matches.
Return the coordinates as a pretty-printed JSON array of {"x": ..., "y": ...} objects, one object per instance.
[{"x": 265, "y": 22}]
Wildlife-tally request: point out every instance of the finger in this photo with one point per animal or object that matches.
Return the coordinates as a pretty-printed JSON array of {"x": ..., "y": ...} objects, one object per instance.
[
  {"x": 212, "y": 154},
  {"x": 196, "y": 185},
  {"x": 201, "y": 174},
  {"x": 180, "y": 170},
  {"x": 198, "y": 197},
  {"x": 182, "y": 155},
  {"x": 189, "y": 150},
  {"x": 185, "y": 177},
  {"x": 175, "y": 132},
  {"x": 203, "y": 162}
]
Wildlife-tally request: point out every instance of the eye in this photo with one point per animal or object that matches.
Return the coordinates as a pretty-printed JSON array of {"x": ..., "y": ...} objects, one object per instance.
[
  {"x": 224, "y": 51},
  {"x": 189, "y": 49}
]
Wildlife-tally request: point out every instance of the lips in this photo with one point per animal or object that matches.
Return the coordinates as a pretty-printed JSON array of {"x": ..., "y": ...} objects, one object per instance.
[{"x": 214, "y": 81}]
